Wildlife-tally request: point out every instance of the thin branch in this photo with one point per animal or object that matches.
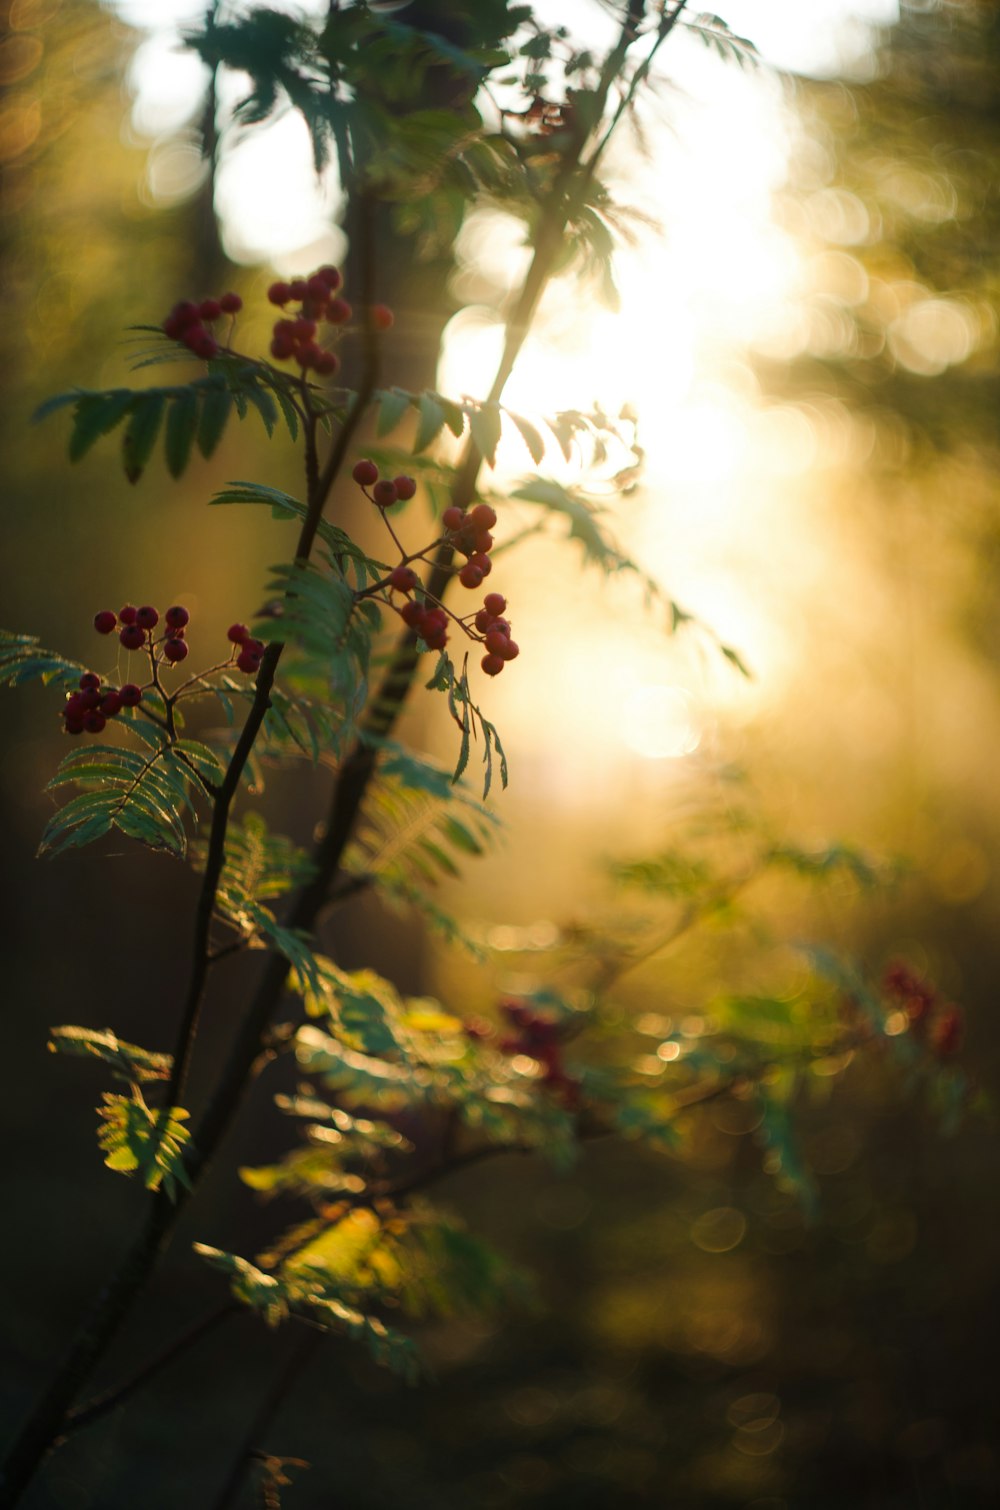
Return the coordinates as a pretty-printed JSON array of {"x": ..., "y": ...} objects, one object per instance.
[{"x": 109, "y": 1399}]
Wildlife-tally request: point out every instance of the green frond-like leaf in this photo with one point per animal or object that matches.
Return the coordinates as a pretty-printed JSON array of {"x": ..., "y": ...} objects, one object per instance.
[
  {"x": 145, "y": 794},
  {"x": 284, "y": 506},
  {"x": 250, "y": 1285},
  {"x": 23, "y": 660},
  {"x": 486, "y": 428},
  {"x": 139, "y": 1140},
  {"x": 127, "y": 1060},
  {"x": 470, "y": 720}
]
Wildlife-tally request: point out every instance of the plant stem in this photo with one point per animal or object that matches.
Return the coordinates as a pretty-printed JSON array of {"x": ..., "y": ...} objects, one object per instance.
[
  {"x": 270, "y": 1405},
  {"x": 107, "y": 1401}
]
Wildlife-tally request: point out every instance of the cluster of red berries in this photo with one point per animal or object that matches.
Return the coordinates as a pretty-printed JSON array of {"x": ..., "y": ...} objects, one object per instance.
[
  {"x": 88, "y": 710},
  {"x": 251, "y": 651},
  {"x": 187, "y": 322},
  {"x": 430, "y": 622},
  {"x": 495, "y": 629},
  {"x": 538, "y": 1035},
  {"x": 135, "y": 628},
  {"x": 317, "y": 295},
  {"x": 384, "y": 491},
  {"x": 940, "y": 1023},
  {"x": 469, "y": 534}
]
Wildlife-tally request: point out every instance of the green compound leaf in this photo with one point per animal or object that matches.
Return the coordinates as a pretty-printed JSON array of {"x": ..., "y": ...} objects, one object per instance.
[
  {"x": 23, "y": 660},
  {"x": 127, "y": 1060},
  {"x": 470, "y": 720},
  {"x": 138, "y": 1140},
  {"x": 145, "y": 794}
]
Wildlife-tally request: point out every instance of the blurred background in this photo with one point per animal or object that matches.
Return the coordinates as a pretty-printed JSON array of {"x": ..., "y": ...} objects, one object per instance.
[{"x": 808, "y": 335}]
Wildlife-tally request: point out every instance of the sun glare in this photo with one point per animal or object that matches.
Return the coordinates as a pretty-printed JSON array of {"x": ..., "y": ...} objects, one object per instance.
[{"x": 717, "y": 518}]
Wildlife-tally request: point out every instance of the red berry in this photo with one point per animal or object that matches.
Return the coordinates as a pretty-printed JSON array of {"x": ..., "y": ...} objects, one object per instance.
[
  {"x": 492, "y": 664},
  {"x": 317, "y": 288},
  {"x": 94, "y": 722},
  {"x": 405, "y": 487},
  {"x": 147, "y": 617},
  {"x": 127, "y": 614},
  {"x": 403, "y": 579},
  {"x": 74, "y": 723},
  {"x": 484, "y": 563},
  {"x": 338, "y": 311},
  {"x": 184, "y": 314},
  {"x": 497, "y": 641},
  {"x": 74, "y": 704},
  {"x": 453, "y": 518},
  {"x": 248, "y": 660},
  {"x": 412, "y": 614},
  {"x": 435, "y": 618},
  {"x": 204, "y": 345},
  {"x": 132, "y": 637},
  {"x": 303, "y": 329},
  {"x": 89, "y": 680},
  {"x": 230, "y": 304},
  {"x": 177, "y": 616},
  {"x": 382, "y": 317},
  {"x": 171, "y": 328},
  {"x": 330, "y": 275},
  {"x": 91, "y": 698},
  {"x": 435, "y": 639},
  {"x": 483, "y": 541},
  {"x": 111, "y": 703},
  {"x": 176, "y": 634},
  {"x": 130, "y": 694},
  {"x": 365, "y": 473},
  {"x": 297, "y": 288},
  {"x": 210, "y": 309},
  {"x": 384, "y": 493},
  {"x": 279, "y": 293},
  {"x": 282, "y": 348},
  {"x": 174, "y": 650},
  {"x": 238, "y": 633},
  {"x": 257, "y": 646},
  {"x": 511, "y": 651},
  {"x": 483, "y": 517},
  {"x": 327, "y": 362},
  {"x": 484, "y": 621},
  {"x": 470, "y": 576},
  {"x": 494, "y": 603},
  {"x": 105, "y": 621}
]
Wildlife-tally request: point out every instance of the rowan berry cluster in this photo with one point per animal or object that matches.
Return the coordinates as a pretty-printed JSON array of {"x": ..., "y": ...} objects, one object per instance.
[
  {"x": 538, "y": 1036},
  {"x": 384, "y": 491},
  {"x": 295, "y": 338},
  {"x": 87, "y": 710},
  {"x": 495, "y": 629},
  {"x": 248, "y": 651},
  {"x": 188, "y": 322},
  {"x": 136, "y": 625},
  {"x": 940, "y": 1023},
  {"x": 469, "y": 535}
]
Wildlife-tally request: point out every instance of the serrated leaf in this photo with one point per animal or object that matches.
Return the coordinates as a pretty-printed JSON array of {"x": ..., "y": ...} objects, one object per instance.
[
  {"x": 137, "y": 1140},
  {"x": 393, "y": 405},
  {"x": 140, "y": 433},
  {"x": 486, "y": 427},
  {"x": 216, "y": 407},
  {"x": 22, "y": 660},
  {"x": 430, "y": 423},
  {"x": 127, "y": 1060},
  {"x": 95, "y": 415},
  {"x": 531, "y": 437},
  {"x": 182, "y": 422}
]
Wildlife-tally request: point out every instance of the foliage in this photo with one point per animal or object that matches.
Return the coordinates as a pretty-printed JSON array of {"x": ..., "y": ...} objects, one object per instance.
[{"x": 403, "y": 1090}]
